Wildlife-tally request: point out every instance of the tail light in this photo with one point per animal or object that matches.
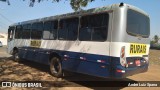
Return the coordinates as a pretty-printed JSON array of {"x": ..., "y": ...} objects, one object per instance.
[
  {"x": 123, "y": 57},
  {"x": 146, "y": 59}
]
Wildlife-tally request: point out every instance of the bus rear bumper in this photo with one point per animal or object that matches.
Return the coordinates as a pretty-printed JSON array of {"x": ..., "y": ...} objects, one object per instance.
[{"x": 125, "y": 72}]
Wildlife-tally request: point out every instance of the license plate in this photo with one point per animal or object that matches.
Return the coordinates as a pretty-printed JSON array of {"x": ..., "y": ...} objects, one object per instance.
[
  {"x": 138, "y": 63},
  {"x": 138, "y": 49}
]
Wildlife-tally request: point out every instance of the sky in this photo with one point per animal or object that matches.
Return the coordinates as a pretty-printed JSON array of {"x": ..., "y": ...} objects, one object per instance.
[{"x": 19, "y": 10}]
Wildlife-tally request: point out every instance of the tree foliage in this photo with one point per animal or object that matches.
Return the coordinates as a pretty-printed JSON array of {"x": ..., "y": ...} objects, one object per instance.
[
  {"x": 75, "y": 4},
  {"x": 156, "y": 38},
  {"x": 5, "y": 1}
]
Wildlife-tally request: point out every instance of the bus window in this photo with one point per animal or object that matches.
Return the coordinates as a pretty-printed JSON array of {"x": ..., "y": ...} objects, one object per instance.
[
  {"x": 47, "y": 29},
  {"x": 137, "y": 24},
  {"x": 50, "y": 30},
  {"x": 94, "y": 27},
  {"x": 86, "y": 29},
  {"x": 62, "y": 32},
  {"x": 37, "y": 29},
  {"x": 72, "y": 26},
  {"x": 100, "y": 27},
  {"x": 54, "y": 28},
  {"x": 10, "y": 33},
  {"x": 26, "y": 31},
  {"x": 68, "y": 29},
  {"x": 18, "y": 32},
  {"x": 85, "y": 34}
]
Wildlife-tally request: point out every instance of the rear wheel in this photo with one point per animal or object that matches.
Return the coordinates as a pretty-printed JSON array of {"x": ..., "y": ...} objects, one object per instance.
[
  {"x": 56, "y": 67},
  {"x": 15, "y": 56}
]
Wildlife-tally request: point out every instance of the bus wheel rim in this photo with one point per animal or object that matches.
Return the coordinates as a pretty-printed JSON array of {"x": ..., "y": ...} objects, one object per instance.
[{"x": 56, "y": 67}]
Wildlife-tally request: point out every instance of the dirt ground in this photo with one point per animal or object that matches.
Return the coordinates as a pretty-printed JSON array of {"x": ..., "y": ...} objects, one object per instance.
[
  {"x": 154, "y": 57},
  {"x": 30, "y": 71}
]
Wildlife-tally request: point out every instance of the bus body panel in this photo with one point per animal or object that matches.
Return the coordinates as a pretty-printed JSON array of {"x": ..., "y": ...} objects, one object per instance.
[
  {"x": 122, "y": 39},
  {"x": 75, "y": 57},
  {"x": 97, "y": 58}
]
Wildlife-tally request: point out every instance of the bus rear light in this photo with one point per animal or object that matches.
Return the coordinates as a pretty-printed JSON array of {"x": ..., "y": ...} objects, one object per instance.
[
  {"x": 120, "y": 71},
  {"x": 122, "y": 52},
  {"x": 130, "y": 63},
  {"x": 123, "y": 57},
  {"x": 138, "y": 63},
  {"x": 146, "y": 59}
]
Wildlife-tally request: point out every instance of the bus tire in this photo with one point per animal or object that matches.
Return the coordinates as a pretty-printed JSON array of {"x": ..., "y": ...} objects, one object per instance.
[
  {"x": 15, "y": 56},
  {"x": 56, "y": 67}
]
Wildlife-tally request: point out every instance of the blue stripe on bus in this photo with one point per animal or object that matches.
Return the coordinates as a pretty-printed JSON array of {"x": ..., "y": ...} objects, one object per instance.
[{"x": 71, "y": 61}]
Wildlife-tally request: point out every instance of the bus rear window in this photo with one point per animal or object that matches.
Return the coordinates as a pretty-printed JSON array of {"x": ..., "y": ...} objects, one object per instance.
[{"x": 137, "y": 24}]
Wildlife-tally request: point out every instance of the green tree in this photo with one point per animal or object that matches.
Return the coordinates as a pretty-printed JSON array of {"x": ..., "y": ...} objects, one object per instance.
[
  {"x": 156, "y": 38},
  {"x": 75, "y": 4},
  {"x": 5, "y": 1},
  {"x": 78, "y": 4},
  {"x": 152, "y": 42}
]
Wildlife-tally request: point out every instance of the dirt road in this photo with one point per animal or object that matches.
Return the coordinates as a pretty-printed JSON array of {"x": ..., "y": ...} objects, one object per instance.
[{"x": 29, "y": 71}]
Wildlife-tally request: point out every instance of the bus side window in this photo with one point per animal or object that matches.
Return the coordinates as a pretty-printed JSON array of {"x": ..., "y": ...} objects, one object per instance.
[
  {"x": 94, "y": 27},
  {"x": 37, "y": 29},
  {"x": 10, "y": 33},
  {"x": 33, "y": 32},
  {"x": 100, "y": 27},
  {"x": 85, "y": 30},
  {"x": 54, "y": 28},
  {"x": 62, "y": 32},
  {"x": 72, "y": 26},
  {"x": 68, "y": 29},
  {"x": 18, "y": 32},
  {"x": 29, "y": 27},
  {"x": 26, "y": 31},
  {"x": 47, "y": 29}
]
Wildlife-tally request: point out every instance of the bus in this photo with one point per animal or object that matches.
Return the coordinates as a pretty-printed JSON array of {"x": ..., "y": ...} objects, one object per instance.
[{"x": 110, "y": 41}]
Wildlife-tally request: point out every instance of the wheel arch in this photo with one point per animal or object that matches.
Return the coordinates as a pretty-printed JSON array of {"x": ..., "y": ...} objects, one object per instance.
[
  {"x": 15, "y": 49},
  {"x": 54, "y": 54}
]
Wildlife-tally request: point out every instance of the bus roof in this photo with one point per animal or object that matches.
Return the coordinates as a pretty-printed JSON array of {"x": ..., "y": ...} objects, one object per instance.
[
  {"x": 134, "y": 8},
  {"x": 82, "y": 12}
]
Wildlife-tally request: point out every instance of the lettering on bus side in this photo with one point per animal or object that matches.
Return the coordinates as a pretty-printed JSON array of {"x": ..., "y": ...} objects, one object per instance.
[
  {"x": 137, "y": 49},
  {"x": 35, "y": 43}
]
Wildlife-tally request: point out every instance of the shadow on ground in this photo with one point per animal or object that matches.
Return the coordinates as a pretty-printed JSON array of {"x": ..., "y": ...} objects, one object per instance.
[{"x": 75, "y": 80}]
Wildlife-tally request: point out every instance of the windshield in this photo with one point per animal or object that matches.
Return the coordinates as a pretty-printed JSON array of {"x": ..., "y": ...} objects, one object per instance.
[{"x": 137, "y": 24}]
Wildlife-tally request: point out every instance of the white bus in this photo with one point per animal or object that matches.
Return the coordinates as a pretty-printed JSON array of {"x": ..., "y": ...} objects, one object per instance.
[{"x": 111, "y": 41}]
